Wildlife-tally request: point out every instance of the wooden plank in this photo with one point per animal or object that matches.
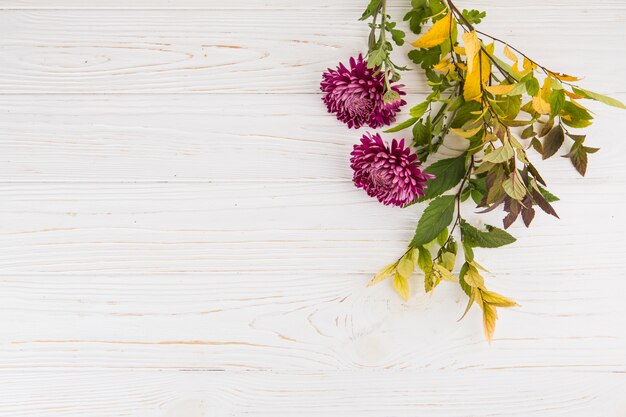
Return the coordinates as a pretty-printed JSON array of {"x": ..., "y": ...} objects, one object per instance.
[
  {"x": 308, "y": 320},
  {"x": 214, "y": 138},
  {"x": 242, "y": 227},
  {"x": 579, "y": 6},
  {"x": 367, "y": 393},
  {"x": 261, "y": 51}
]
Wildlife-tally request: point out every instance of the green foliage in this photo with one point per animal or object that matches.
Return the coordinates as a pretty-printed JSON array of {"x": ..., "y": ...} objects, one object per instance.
[
  {"x": 436, "y": 217},
  {"x": 447, "y": 172},
  {"x": 491, "y": 238},
  {"x": 504, "y": 105}
]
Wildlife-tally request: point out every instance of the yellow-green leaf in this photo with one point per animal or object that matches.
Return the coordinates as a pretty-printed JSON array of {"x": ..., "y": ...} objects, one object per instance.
[
  {"x": 407, "y": 264},
  {"x": 497, "y": 300},
  {"x": 501, "y": 89},
  {"x": 501, "y": 154},
  {"x": 473, "y": 278},
  {"x": 386, "y": 272},
  {"x": 467, "y": 133},
  {"x": 442, "y": 273},
  {"x": 514, "y": 187},
  {"x": 599, "y": 97},
  {"x": 401, "y": 285},
  {"x": 437, "y": 34},
  {"x": 489, "y": 320}
]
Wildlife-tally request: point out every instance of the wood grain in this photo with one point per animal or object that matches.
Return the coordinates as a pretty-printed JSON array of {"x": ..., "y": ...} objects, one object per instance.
[
  {"x": 572, "y": 6},
  {"x": 261, "y": 51},
  {"x": 367, "y": 393},
  {"x": 179, "y": 235},
  {"x": 214, "y": 138},
  {"x": 187, "y": 227}
]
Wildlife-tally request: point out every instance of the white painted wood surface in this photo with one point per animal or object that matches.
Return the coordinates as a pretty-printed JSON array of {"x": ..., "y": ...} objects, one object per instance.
[{"x": 180, "y": 238}]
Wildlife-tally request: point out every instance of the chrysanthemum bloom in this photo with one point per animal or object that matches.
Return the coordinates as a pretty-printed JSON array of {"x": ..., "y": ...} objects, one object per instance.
[
  {"x": 392, "y": 174},
  {"x": 355, "y": 95}
]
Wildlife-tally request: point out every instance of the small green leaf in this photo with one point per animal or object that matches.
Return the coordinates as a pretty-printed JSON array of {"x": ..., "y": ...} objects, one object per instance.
[
  {"x": 403, "y": 125},
  {"x": 501, "y": 154},
  {"x": 442, "y": 237},
  {"x": 436, "y": 217},
  {"x": 547, "y": 195},
  {"x": 557, "y": 100},
  {"x": 514, "y": 187},
  {"x": 371, "y": 8},
  {"x": 419, "y": 110},
  {"x": 492, "y": 238},
  {"x": 599, "y": 97},
  {"x": 421, "y": 133},
  {"x": 447, "y": 172}
]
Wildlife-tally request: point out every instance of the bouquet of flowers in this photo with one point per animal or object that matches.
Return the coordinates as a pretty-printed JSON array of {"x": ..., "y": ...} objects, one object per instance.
[{"x": 502, "y": 103}]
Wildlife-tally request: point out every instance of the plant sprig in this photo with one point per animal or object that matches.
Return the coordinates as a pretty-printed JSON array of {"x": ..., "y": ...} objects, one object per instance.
[
  {"x": 379, "y": 46},
  {"x": 503, "y": 107}
]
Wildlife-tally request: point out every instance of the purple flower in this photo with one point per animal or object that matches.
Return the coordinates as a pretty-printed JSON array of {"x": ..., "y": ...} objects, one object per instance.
[
  {"x": 355, "y": 95},
  {"x": 392, "y": 174}
]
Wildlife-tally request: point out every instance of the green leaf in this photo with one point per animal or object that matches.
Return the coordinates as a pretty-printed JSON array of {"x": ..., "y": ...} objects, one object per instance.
[
  {"x": 501, "y": 154},
  {"x": 492, "y": 238},
  {"x": 426, "y": 57},
  {"x": 442, "y": 237},
  {"x": 553, "y": 141},
  {"x": 421, "y": 133},
  {"x": 447, "y": 172},
  {"x": 532, "y": 86},
  {"x": 473, "y": 16},
  {"x": 371, "y": 8},
  {"x": 436, "y": 217},
  {"x": 547, "y": 195},
  {"x": 599, "y": 97},
  {"x": 423, "y": 260},
  {"x": 514, "y": 187},
  {"x": 419, "y": 110},
  {"x": 398, "y": 36},
  {"x": 403, "y": 125},
  {"x": 376, "y": 57},
  {"x": 557, "y": 100}
]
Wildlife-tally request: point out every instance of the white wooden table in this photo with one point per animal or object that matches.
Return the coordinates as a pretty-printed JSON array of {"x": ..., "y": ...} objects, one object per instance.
[{"x": 179, "y": 235}]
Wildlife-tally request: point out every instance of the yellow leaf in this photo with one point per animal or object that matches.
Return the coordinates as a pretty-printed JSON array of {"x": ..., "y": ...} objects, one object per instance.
[
  {"x": 486, "y": 62},
  {"x": 467, "y": 133},
  {"x": 442, "y": 273},
  {"x": 497, "y": 300},
  {"x": 472, "y": 47},
  {"x": 401, "y": 285},
  {"x": 509, "y": 54},
  {"x": 407, "y": 264},
  {"x": 541, "y": 106},
  {"x": 501, "y": 89},
  {"x": 541, "y": 102},
  {"x": 471, "y": 89},
  {"x": 459, "y": 50},
  {"x": 444, "y": 65},
  {"x": 572, "y": 95},
  {"x": 529, "y": 65},
  {"x": 564, "y": 77},
  {"x": 437, "y": 34},
  {"x": 386, "y": 272},
  {"x": 489, "y": 320},
  {"x": 473, "y": 278}
]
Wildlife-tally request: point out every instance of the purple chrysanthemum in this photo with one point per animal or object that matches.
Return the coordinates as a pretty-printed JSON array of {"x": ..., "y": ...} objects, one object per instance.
[
  {"x": 355, "y": 95},
  {"x": 392, "y": 174}
]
